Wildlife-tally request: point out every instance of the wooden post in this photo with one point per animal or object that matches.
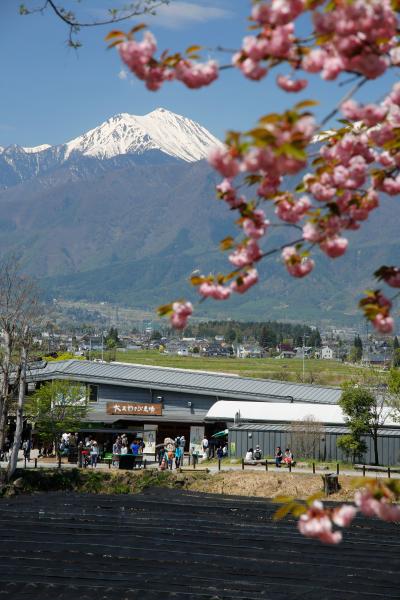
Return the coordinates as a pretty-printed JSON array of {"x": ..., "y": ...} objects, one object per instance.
[
  {"x": 189, "y": 460},
  {"x": 242, "y": 464},
  {"x": 144, "y": 463},
  {"x": 388, "y": 472},
  {"x": 290, "y": 467},
  {"x": 219, "y": 464},
  {"x": 266, "y": 464},
  {"x": 35, "y": 463},
  {"x": 109, "y": 463},
  {"x": 337, "y": 468},
  {"x": 194, "y": 461},
  {"x": 24, "y": 462},
  {"x": 313, "y": 468},
  {"x": 363, "y": 470}
]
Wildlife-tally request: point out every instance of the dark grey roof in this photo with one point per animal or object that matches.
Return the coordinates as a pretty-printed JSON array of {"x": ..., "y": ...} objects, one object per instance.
[
  {"x": 287, "y": 427},
  {"x": 182, "y": 380}
]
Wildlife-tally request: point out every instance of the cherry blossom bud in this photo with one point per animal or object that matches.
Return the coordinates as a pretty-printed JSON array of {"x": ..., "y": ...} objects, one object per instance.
[
  {"x": 244, "y": 282},
  {"x": 291, "y": 85},
  {"x": 383, "y": 324},
  {"x": 334, "y": 246},
  {"x": 214, "y": 290},
  {"x": 181, "y": 313},
  {"x": 222, "y": 160}
]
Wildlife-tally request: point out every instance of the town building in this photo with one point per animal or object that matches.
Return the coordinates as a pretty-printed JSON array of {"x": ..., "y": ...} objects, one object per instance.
[{"x": 158, "y": 402}]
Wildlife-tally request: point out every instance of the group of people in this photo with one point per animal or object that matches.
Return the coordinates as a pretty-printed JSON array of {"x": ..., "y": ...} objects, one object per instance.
[
  {"x": 287, "y": 458},
  {"x": 254, "y": 454},
  {"x": 171, "y": 450},
  {"x": 122, "y": 446},
  {"x": 212, "y": 449},
  {"x": 280, "y": 457}
]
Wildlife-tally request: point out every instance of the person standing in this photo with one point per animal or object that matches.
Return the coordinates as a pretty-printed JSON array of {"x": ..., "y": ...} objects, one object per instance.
[
  {"x": 135, "y": 448},
  {"x": 94, "y": 454},
  {"x": 178, "y": 456},
  {"x": 204, "y": 445},
  {"x": 26, "y": 447},
  {"x": 182, "y": 445}
]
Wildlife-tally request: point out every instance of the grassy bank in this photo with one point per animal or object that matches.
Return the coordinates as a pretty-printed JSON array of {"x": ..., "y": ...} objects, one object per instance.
[
  {"x": 324, "y": 372},
  {"x": 259, "y": 484}
]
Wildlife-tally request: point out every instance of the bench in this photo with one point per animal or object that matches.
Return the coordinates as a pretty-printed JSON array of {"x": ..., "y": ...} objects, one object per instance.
[
  {"x": 265, "y": 463},
  {"x": 377, "y": 469}
]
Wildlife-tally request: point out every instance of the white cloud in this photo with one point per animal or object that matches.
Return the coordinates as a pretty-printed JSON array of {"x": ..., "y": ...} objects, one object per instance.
[
  {"x": 178, "y": 15},
  {"x": 122, "y": 74}
]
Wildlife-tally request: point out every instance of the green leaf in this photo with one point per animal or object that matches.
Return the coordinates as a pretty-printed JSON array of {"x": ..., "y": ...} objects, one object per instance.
[
  {"x": 193, "y": 49},
  {"x": 227, "y": 243},
  {"x": 293, "y": 151},
  {"x": 283, "y": 511},
  {"x": 165, "y": 309},
  {"x": 305, "y": 104}
]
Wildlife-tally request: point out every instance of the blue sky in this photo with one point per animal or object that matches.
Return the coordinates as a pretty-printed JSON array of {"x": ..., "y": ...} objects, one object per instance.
[{"x": 51, "y": 93}]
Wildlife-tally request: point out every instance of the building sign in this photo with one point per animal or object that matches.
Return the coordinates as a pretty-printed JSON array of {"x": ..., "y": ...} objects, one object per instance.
[{"x": 134, "y": 408}]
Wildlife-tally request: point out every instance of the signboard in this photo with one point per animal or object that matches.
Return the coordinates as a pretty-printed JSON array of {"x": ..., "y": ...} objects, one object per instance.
[
  {"x": 196, "y": 437},
  {"x": 149, "y": 438},
  {"x": 134, "y": 408}
]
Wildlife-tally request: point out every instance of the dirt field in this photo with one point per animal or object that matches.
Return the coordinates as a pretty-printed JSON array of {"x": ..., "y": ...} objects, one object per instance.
[
  {"x": 269, "y": 485},
  {"x": 165, "y": 544}
]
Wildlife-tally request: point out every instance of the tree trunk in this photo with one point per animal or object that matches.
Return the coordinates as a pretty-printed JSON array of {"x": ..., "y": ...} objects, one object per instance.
[
  {"x": 375, "y": 438},
  {"x": 5, "y": 385},
  {"x": 12, "y": 465}
]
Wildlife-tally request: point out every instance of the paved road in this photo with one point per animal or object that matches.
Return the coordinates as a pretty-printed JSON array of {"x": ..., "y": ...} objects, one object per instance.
[{"x": 166, "y": 544}]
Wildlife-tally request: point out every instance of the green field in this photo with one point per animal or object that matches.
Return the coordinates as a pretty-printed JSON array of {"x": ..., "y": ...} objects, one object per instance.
[{"x": 324, "y": 372}]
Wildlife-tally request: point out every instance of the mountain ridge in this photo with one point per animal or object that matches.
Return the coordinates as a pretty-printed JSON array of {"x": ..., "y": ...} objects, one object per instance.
[{"x": 130, "y": 227}]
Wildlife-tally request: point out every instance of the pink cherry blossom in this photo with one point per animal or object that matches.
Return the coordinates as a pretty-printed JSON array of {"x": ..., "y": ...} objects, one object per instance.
[
  {"x": 222, "y": 160},
  {"x": 314, "y": 61},
  {"x": 181, "y": 313},
  {"x": 258, "y": 159},
  {"x": 214, "y": 290},
  {"x": 249, "y": 67},
  {"x": 196, "y": 75},
  {"x": 366, "y": 502},
  {"x": 344, "y": 515},
  {"x": 297, "y": 265},
  {"x": 227, "y": 192},
  {"x": 387, "y": 511},
  {"x": 245, "y": 281},
  {"x": 290, "y": 210},
  {"x": 255, "y": 48},
  {"x": 316, "y": 523},
  {"x": 256, "y": 225},
  {"x": 291, "y": 85},
  {"x": 334, "y": 246},
  {"x": 246, "y": 254},
  {"x": 393, "y": 278},
  {"x": 383, "y": 324}
]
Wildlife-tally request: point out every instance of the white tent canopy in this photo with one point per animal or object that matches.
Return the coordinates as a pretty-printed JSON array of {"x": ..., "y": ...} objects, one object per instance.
[{"x": 279, "y": 412}]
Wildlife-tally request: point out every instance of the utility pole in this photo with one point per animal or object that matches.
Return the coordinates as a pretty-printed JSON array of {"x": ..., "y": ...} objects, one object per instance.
[{"x": 102, "y": 346}]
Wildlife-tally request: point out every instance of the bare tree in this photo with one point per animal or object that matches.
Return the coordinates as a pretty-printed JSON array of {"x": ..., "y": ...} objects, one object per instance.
[
  {"x": 19, "y": 313},
  {"x": 306, "y": 436},
  {"x": 75, "y": 22}
]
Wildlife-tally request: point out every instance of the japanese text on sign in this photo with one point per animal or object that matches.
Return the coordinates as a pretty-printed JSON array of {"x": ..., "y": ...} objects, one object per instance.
[{"x": 133, "y": 408}]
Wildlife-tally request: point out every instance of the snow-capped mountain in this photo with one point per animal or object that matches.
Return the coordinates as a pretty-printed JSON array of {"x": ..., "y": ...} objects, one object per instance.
[
  {"x": 161, "y": 130},
  {"x": 159, "y": 133}
]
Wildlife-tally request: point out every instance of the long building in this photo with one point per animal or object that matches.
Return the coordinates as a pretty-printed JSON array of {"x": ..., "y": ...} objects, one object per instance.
[{"x": 158, "y": 402}]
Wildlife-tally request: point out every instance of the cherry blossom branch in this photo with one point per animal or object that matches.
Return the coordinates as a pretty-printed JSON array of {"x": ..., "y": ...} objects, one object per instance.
[{"x": 346, "y": 97}]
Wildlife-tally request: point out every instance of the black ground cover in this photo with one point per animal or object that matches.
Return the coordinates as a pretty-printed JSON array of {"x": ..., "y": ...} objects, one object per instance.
[{"x": 164, "y": 544}]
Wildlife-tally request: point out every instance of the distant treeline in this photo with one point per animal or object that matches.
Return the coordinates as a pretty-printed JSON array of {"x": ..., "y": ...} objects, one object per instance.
[{"x": 268, "y": 334}]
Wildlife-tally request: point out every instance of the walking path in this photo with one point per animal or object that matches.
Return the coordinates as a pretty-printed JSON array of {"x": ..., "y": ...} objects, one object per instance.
[{"x": 212, "y": 467}]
